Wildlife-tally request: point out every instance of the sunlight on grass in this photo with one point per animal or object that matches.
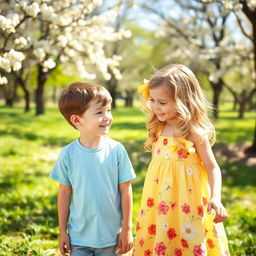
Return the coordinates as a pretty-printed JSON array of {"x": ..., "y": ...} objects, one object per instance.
[{"x": 29, "y": 146}]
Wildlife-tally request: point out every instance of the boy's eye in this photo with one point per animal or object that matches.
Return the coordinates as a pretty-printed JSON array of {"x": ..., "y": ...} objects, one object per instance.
[
  {"x": 98, "y": 113},
  {"x": 162, "y": 103},
  {"x": 151, "y": 100}
]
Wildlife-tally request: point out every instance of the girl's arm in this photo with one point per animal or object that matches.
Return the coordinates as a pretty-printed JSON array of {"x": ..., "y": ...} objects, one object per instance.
[
  {"x": 214, "y": 176},
  {"x": 64, "y": 197},
  {"x": 125, "y": 240}
]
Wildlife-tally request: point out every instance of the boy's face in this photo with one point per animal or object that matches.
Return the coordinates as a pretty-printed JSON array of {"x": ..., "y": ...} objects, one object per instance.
[{"x": 96, "y": 120}]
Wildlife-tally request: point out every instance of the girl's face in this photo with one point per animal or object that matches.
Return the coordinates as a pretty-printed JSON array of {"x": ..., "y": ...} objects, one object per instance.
[{"x": 162, "y": 104}]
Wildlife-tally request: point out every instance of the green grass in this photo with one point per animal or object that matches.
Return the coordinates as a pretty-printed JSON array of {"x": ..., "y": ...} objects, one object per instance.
[{"x": 29, "y": 146}]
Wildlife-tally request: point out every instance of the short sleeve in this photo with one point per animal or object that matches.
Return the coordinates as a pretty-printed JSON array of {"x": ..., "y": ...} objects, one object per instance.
[
  {"x": 60, "y": 170},
  {"x": 125, "y": 169}
]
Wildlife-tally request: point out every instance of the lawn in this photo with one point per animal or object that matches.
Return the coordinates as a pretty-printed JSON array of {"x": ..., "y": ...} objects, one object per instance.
[{"x": 29, "y": 146}]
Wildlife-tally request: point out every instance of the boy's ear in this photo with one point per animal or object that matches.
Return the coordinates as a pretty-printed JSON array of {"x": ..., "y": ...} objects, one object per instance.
[{"x": 75, "y": 120}]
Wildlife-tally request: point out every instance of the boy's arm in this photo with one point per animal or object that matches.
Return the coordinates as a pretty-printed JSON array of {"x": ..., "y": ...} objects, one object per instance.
[
  {"x": 125, "y": 240},
  {"x": 64, "y": 197}
]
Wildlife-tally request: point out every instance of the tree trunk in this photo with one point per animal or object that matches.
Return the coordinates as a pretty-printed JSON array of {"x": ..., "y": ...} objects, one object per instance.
[
  {"x": 26, "y": 94},
  {"x": 128, "y": 101},
  {"x": 252, "y": 148},
  {"x": 111, "y": 87},
  {"x": 10, "y": 92},
  {"x": 9, "y": 102},
  {"x": 217, "y": 88},
  {"x": 54, "y": 94},
  {"x": 27, "y": 101},
  {"x": 234, "y": 104},
  {"x": 112, "y": 91},
  {"x": 242, "y": 105},
  {"x": 250, "y": 105},
  {"x": 251, "y": 15},
  {"x": 41, "y": 79},
  {"x": 129, "y": 98}
]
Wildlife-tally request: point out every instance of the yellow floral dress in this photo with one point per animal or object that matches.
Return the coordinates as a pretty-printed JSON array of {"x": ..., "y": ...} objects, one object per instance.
[{"x": 173, "y": 219}]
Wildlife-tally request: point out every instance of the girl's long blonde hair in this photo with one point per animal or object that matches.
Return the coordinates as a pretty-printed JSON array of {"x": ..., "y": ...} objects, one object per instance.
[{"x": 191, "y": 104}]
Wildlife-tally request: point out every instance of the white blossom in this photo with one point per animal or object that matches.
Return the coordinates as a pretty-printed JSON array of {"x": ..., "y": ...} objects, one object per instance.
[
  {"x": 117, "y": 73},
  {"x": 3, "y": 80},
  {"x": 39, "y": 53},
  {"x": 97, "y": 2},
  {"x": 106, "y": 76},
  {"x": 49, "y": 64},
  {"x": 21, "y": 42},
  {"x": 126, "y": 33},
  {"x": 5, "y": 64},
  {"x": 64, "y": 21},
  {"x": 6, "y": 24},
  {"x": 22, "y": 4},
  {"x": 62, "y": 40},
  {"x": 17, "y": 66},
  {"x": 15, "y": 58},
  {"x": 228, "y": 5},
  {"x": 48, "y": 12},
  {"x": 252, "y": 4},
  {"x": 33, "y": 9},
  {"x": 69, "y": 33},
  {"x": 15, "y": 18}
]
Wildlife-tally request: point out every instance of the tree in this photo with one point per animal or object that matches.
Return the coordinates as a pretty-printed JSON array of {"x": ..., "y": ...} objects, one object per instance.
[
  {"x": 248, "y": 8},
  {"x": 197, "y": 33},
  {"x": 239, "y": 82},
  {"x": 49, "y": 33}
]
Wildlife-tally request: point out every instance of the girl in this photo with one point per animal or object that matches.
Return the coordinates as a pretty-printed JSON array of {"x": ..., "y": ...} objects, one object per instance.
[{"x": 181, "y": 211}]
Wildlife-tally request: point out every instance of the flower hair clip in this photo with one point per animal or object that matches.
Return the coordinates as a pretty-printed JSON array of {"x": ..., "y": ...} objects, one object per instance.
[{"x": 144, "y": 89}]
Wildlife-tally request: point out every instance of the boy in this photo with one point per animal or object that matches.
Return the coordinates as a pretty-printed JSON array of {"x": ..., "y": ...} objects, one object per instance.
[{"x": 95, "y": 173}]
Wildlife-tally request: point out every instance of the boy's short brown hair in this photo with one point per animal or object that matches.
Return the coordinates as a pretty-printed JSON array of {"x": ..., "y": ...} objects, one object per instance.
[{"x": 76, "y": 98}]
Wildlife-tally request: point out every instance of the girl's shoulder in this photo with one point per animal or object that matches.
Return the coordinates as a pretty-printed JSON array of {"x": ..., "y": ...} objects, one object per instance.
[
  {"x": 197, "y": 138},
  {"x": 200, "y": 136}
]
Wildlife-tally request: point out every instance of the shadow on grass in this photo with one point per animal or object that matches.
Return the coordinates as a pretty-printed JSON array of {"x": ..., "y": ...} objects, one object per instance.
[
  {"x": 235, "y": 134},
  {"x": 30, "y": 215},
  {"x": 235, "y": 174},
  {"x": 12, "y": 180},
  {"x": 45, "y": 140}
]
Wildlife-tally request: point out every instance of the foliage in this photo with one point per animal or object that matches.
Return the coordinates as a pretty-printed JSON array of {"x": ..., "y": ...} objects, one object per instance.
[{"x": 29, "y": 146}]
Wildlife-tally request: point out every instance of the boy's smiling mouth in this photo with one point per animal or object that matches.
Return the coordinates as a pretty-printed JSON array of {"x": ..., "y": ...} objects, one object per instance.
[{"x": 105, "y": 125}]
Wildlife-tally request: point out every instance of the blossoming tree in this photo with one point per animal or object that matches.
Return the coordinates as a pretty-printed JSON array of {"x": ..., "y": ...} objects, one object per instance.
[
  {"x": 248, "y": 8},
  {"x": 201, "y": 34},
  {"x": 48, "y": 33}
]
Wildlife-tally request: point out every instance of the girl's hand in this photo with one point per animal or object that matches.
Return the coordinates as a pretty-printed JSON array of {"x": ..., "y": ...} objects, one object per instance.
[
  {"x": 64, "y": 244},
  {"x": 221, "y": 213}
]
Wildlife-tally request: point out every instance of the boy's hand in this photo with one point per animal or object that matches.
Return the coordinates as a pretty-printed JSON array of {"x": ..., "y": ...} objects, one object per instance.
[
  {"x": 221, "y": 213},
  {"x": 125, "y": 242},
  {"x": 64, "y": 244}
]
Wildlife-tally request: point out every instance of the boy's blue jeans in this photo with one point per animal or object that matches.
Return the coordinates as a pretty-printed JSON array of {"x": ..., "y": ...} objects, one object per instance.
[{"x": 77, "y": 250}]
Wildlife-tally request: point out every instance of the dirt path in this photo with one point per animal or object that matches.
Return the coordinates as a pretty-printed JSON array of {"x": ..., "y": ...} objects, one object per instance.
[{"x": 235, "y": 153}]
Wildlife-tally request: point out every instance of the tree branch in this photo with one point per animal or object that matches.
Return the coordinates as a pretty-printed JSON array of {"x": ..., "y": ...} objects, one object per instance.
[{"x": 242, "y": 28}]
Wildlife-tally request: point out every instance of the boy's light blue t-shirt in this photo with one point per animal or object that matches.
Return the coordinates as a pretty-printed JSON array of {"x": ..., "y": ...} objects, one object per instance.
[{"x": 94, "y": 174}]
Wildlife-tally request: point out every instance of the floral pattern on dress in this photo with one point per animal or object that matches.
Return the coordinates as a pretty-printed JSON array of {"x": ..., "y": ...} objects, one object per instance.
[
  {"x": 181, "y": 147},
  {"x": 173, "y": 220}
]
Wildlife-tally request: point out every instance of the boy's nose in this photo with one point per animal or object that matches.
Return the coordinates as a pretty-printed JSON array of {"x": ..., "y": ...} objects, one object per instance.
[{"x": 107, "y": 116}]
